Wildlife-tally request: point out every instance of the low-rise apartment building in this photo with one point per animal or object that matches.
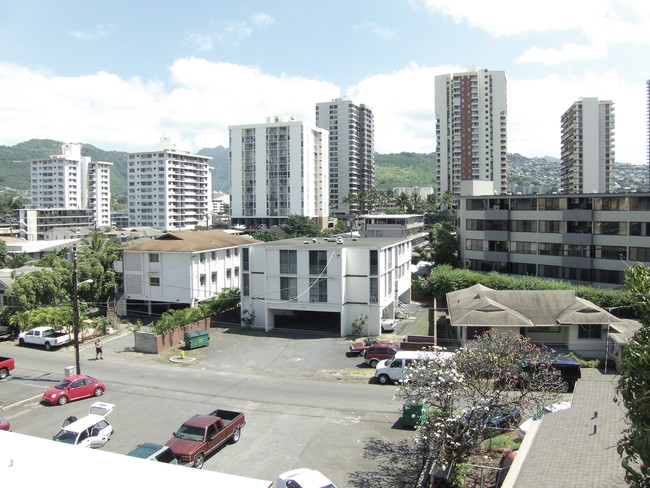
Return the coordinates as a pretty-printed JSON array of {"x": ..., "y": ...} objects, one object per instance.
[
  {"x": 325, "y": 284},
  {"x": 582, "y": 238},
  {"x": 179, "y": 269}
]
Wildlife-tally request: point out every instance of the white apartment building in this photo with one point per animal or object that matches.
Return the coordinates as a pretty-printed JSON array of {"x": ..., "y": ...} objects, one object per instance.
[
  {"x": 168, "y": 188},
  {"x": 351, "y": 152},
  {"x": 179, "y": 269},
  {"x": 471, "y": 130},
  {"x": 278, "y": 168},
  {"x": 587, "y": 146},
  {"x": 323, "y": 284},
  {"x": 72, "y": 181}
]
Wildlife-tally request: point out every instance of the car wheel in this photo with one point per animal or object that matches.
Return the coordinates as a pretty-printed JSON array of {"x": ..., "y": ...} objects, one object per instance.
[
  {"x": 21, "y": 342},
  {"x": 62, "y": 400},
  {"x": 235, "y": 436},
  {"x": 48, "y": 346},
  {"x": 384, "y": 379},
  {"x": 4, "y": 372},
  {"x": 198, "y": 460},
  {"x": 99, "y": 391},
  {"x": 373, "y": 363}
]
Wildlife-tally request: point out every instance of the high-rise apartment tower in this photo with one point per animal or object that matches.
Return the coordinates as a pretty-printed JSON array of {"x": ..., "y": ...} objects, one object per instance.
[
  {"x": 471, "y": 129},
  {"x": 169, "y": 189},
  {"x": 351, "y": 153},
  {"x": 587, "y": 146},
  {"x": 278, "y": 168},
  {"x": 72, "y": 181}
]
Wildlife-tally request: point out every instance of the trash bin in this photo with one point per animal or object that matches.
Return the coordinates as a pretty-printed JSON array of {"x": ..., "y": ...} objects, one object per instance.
[
  {"x": 415, "y": 412},
  {"x": 196, "y": 338}
]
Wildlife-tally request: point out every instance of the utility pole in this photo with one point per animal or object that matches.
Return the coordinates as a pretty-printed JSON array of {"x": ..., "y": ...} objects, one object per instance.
[{"x": 75, "y": 310}]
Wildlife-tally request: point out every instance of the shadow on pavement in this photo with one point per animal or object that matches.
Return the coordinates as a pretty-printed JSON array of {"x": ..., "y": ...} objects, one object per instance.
[{"x": 398, "y": 465}]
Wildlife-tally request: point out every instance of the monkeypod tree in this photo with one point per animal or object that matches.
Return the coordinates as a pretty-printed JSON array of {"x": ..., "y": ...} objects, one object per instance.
[{"x": 496, "y": 375}]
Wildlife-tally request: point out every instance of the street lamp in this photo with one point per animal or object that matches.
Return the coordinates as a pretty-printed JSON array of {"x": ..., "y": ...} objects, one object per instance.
[{"x": 75, "y": 309}]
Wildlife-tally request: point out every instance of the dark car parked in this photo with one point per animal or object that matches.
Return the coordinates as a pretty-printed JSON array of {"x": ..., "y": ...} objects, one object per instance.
[
  {"x": 493, "y": 421},
  {"x": 377, "y": 352}
]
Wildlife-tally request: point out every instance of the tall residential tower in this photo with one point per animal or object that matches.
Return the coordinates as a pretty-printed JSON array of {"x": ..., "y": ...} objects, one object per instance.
[
  {"x": 278, "y": 168},
  {"x": 169, "y": 189},
  {"x": 351, "y": 153},
  {"x": 471, "y": 130},
  {"x": 587, "y": 146},
  {"x": 71, "y": 181}
]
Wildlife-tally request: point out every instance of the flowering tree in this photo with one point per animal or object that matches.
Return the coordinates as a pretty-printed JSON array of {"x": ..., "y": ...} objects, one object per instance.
[{"x": 498, "y": 373}]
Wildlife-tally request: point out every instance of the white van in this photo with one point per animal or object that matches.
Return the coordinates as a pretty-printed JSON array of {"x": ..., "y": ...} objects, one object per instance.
[
  {"x": 93, "y": 430},
  {"x": 394, "y": 369}
]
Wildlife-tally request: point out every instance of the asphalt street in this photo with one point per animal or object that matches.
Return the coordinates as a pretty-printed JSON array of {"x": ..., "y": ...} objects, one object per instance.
[{"x": 307, "y": 403}]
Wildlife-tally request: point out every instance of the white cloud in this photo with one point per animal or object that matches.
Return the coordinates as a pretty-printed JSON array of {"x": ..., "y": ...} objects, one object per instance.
[
  {"x": 101, "y": 31},
  {"x": 262, "y": 19},
  {"x": 382, "y": 32},
  {"x": 203, "y": 98},
  {"x": 568, "y": 52},
  {"x": 604, "y": 21},
  {"x": 229, "y": 33}
]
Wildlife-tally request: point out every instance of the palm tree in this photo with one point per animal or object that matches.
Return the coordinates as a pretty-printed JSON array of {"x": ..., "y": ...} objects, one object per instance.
[
  {"x": 448, "y": 200},
  {"x": 416, "y": 201},
  {"x": 433, "y": 202},
  {"x": 403, "y": 201}
]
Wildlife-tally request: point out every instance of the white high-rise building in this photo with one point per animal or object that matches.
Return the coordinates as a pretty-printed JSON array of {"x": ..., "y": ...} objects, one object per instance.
[
  {"x": 278, "y": 168},
  {"x": 351, "y": 152},
  {"x": 471, "y": 130},
  {"x": 587, "y": 146},
  {"x": 168, "y": 188},
  {"x": 72, "y": 181}
]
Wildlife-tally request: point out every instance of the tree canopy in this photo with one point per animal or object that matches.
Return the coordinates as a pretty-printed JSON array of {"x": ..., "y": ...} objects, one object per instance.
[
  {"x": 301, "y": 226},
  {"x": 634, "y": 384},
  {"x": 488, "y": 376}
]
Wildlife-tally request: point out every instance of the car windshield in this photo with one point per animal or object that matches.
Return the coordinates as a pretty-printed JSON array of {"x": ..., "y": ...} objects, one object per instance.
[
  {"x": 65, "y": 436},
  {"x": 389, "y": 361},
  {"x": 142, "y": 451},
  {"x": 540, "y": 414},
  {"x": 62, "y": 385},
  {"x": 190, "y": 433}
]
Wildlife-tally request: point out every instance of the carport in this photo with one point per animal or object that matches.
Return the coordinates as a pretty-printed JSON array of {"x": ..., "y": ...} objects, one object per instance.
[{"x": 307, "y": 320}]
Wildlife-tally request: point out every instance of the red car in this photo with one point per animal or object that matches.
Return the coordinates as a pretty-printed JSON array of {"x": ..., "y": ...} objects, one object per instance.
[
  {"x": 377, "y": 352},
  {"x": 73, "y": 388},
  {"x": 5, "y": 425}
]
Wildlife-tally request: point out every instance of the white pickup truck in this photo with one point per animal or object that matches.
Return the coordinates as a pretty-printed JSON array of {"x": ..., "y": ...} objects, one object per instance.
[{"x": 43, "y": 336}]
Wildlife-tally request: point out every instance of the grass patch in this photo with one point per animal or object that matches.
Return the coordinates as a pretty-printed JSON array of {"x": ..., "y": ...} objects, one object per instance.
[{"x": 501, "y": 442}]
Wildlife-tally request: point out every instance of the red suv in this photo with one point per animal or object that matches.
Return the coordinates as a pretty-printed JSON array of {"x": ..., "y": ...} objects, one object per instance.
[{"x": 377, "y": 352}]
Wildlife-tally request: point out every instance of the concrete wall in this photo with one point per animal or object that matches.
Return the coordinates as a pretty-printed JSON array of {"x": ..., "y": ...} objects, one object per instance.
[{"x": 151, "y": 343}]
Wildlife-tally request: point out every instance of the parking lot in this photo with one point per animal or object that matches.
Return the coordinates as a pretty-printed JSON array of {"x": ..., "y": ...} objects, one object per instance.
[{"x": 307, "y": 403}]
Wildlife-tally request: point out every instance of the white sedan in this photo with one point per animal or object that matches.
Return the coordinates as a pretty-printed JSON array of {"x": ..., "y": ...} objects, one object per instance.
[
  {"x": 303, "y": 478},
  {"x": 556, "y": 407}
]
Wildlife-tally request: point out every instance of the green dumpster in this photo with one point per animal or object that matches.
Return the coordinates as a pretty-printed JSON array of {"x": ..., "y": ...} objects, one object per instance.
[
  {"x": 196, "y": 338},
  {"x": 415, "y": 412}
]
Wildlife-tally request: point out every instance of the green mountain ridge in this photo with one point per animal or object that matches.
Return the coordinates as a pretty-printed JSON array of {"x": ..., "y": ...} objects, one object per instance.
[{"x": 405, "y": 169}]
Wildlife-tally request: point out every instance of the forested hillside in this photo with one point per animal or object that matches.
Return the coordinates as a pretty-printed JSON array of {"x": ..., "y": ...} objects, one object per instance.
[{"x": 391, "y": 170}]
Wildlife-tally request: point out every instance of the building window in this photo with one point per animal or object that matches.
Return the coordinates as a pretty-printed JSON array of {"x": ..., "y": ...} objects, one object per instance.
[
  {"x": 317, "y": 262},
  {"x": 288, "y": 288},
  {"x": 213, "y": 277},
  {"x": 245, "y": 259},
  {"x": 318, "y": 290},
  {"x": 202, "y": 257},
  {"x": 202, "y": 280},
  {"x": 374, "y": 290},
  {"x": 246, "y": 287},
  {"x": 288, "y": 262},
  {"x": 374, "y": 262},
  {"x": 227, "y": 253},
  {"x": 590, "y": 331},
  {"x": 213, "y": 255},
  {"x": 154, "y": 281},
  {"x": 154, "y": 258}
]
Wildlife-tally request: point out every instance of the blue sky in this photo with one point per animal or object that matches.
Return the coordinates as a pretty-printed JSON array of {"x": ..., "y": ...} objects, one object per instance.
[{"x": 121, "y": 74}]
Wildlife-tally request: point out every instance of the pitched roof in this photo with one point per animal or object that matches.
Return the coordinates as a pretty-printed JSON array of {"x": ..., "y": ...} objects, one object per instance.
[
  {"x": 195, "y": 241},
  {"x": 481, "y": 306}
]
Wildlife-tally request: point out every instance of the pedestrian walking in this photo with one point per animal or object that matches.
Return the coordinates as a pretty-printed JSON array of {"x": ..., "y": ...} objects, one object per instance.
[{"x": 99, "y": 353}]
